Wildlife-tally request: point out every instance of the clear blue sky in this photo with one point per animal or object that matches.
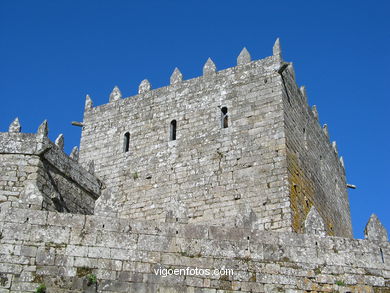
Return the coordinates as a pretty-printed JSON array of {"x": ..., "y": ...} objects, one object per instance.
[{"x": 55, "y": 52}]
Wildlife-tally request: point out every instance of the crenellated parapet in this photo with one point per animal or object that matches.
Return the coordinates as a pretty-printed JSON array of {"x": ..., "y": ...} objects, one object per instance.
[
  {"x": 39, "y": 175},
  {"x": 209, "y": 71}
]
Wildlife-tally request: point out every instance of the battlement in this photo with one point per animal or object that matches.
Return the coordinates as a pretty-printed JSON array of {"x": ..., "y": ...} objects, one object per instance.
[
  {"x": 36, "y": 173},
  {"x": 266, "y": 66}
]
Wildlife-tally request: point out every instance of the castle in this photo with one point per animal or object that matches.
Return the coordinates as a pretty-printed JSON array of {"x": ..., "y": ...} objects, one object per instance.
[{"x": 174, "y": 187}]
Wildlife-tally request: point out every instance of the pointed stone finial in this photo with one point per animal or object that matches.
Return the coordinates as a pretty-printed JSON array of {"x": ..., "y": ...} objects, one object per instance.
[
  {"x": 244, "y": 57},
  {"x": 325, "y": 130},
  {"x": 342, "y": 162},
  {"x": 88, "y": 102},
  {"x": 15, "y": 126},
  {"x": 277, "y": 50},
  {"x": 43, "y": 129},
  {"x": 60, "y": 141},
  {"x": 375, "y": 231},
  {"x": 334, "y": 146},
  {"x": 74, "y": 154},
  {"x": 209, "y": 67},
  {"x": 315, "y": 112},
  {"x": 314, "y": 224},
  {"x": 91, "y": 167},
  {"x": 302, "y": 89},
  {"x": 144, "y": 86},
  {"x": 176, "y": 76},
  {"x": 115, "y": 94}
]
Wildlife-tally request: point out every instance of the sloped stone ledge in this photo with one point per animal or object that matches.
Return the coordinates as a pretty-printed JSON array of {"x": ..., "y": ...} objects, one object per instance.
[{"x": 29, "y": 159}]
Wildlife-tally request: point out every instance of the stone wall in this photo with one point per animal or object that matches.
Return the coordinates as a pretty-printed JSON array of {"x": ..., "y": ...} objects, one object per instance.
[
  {"x": 31, "y": 165},
  {"x": 316, "y": 174},
  {"x": 63, "y": 251},
  {"x": 228, "y": 176}
]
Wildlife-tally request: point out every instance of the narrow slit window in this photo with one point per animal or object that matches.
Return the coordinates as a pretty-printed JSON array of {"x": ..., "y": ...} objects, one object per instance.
[
  {"x": 126, "y": 142},
  {"x": 172, "y": 131},
  {"x": 224, "y": 117}
]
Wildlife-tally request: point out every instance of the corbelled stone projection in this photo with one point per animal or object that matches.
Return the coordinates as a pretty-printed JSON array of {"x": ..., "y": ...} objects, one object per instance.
[{"x": 221, "y": 183}]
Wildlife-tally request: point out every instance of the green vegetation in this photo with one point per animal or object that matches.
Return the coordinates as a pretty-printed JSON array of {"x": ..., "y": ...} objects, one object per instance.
[
  {"x": 340, "y": 283},
  {"x": 41, "y": 288},
  {"x": 91, "y": 279}
]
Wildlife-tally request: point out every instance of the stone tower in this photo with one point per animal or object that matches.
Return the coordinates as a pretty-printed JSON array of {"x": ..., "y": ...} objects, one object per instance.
[{"x": 236, "y": 147}]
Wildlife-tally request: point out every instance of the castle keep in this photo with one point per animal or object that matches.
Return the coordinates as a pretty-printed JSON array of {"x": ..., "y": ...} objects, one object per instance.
[{"x": 229, "y": 170}]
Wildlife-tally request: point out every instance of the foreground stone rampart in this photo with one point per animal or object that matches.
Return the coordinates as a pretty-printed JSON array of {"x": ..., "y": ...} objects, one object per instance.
[{"x": 60, "y": 250}]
